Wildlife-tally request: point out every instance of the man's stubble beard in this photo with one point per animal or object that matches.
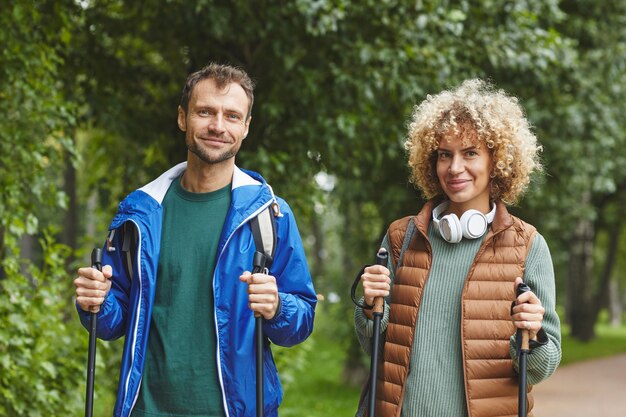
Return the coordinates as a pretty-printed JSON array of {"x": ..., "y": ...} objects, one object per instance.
[{"x": 209, "y": 159}]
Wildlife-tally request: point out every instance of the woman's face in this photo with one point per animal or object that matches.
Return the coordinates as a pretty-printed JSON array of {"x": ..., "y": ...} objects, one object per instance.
[{"x": 463, "y": 169}]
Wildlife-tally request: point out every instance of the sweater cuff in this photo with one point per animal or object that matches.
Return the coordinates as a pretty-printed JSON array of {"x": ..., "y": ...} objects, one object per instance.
[
  {"x": 365, "y": 325},
  {"x": 539, "y": 352},
  {"x": 542, "y": 339}
]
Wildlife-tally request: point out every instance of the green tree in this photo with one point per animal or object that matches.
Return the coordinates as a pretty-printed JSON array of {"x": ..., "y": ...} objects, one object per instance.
[
  {"x": 580, "y": 116},
  {"x": 40, "y": 350}
]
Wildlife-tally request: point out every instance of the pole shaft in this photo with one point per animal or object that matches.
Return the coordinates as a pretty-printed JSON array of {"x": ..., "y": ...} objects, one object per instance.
[
  {"x": 258, "y": 265},
  {"x": 258, "y": 323},
  {"x": 377, "y": 315},
  {"x": 374, "y": 366},
  {"x": 522, "y": 385},
  {"x": 96, "y": 263},
  {"x": 522, "y": 337},
  {"x": 91, "y": 365}
]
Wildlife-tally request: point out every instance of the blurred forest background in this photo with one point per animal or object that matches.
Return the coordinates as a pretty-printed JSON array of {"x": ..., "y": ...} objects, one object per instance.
[{"x": 88, "y": 98}]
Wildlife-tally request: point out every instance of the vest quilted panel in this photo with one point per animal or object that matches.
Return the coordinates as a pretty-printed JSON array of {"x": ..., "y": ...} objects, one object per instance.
[
  {"x": 500, "y": 407},
  {"x": 484, "y": 368},
  {"x": 485, "y": 309},
  {"x": 406, "y": 297}
]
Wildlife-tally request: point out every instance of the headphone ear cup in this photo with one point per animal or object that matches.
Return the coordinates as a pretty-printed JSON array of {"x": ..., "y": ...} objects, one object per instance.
[
  {"x": 450, "y": 228},
  {"x": 474, "y": 224}
]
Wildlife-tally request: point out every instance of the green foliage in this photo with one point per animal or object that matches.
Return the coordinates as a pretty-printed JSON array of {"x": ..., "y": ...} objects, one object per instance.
[
  {"x": 41, "y": 357},
  {"x": 35, "y": 118},
  {"x": 291, "y": 361},
  {"x": 94, "y": 85},
  {"x": 319, "y": 388},
  {"x": 41, "y": 349}
]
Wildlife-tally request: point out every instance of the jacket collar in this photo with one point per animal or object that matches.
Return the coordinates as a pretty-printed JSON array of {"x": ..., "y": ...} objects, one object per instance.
[
  {"x": 242, "y": 178},
  {"x": 158, "y": 187}
]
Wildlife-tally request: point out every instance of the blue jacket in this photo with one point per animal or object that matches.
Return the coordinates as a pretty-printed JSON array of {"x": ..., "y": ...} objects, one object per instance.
[{"x": 126, "y": 311}]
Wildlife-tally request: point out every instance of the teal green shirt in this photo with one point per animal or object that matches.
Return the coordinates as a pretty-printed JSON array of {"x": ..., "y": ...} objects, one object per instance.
[
  {"x": 435, "y": 384},
  {"x": 180, "y": 376}
]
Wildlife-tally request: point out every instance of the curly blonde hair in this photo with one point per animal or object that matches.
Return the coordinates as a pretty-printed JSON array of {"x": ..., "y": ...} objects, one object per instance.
[{"x": 477, "y": 113}]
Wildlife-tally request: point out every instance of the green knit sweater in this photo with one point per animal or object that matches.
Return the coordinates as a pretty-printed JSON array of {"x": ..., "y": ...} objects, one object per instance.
[{"x": 435, "y": 383}]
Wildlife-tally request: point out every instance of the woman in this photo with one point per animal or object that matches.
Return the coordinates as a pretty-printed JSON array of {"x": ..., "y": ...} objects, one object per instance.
[{"x": 449, "y": 323}]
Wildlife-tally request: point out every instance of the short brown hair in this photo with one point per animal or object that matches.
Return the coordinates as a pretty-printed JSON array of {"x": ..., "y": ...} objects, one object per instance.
[{"x": 222, "y": 75}]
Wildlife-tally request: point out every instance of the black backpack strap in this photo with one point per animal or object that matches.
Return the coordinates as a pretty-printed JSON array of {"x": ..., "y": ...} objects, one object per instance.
[
  {"x": 129, "y": 241},
  {"x": 408, "y": 236},
  {"x": 264, "y": 233}
]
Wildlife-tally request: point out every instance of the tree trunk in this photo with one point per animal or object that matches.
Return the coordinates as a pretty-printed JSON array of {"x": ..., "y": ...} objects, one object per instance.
[
  {"x": 90, "y": 226},
  {"x": 581, "y": 305},
  {"x": 70, "y": 224},
  {"x": 612, "y": 250},
  {"x": 616, "y": 308},
  {"x": 319, "y": 258}
]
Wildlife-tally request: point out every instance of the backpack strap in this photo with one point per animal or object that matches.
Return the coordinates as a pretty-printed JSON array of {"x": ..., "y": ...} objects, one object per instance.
[
  {"x": 128, "y": 235},
  {"x": 408, "y": 236},
  {"x": 129, "y": 241},
  {"x": 264, "y": 233}
]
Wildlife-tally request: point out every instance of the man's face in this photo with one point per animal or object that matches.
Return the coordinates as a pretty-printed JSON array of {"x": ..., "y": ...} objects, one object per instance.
[{"x": 215, "y": 123}]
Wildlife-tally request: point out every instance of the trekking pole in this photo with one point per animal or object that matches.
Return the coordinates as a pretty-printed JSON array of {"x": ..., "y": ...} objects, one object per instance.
[
  {"x": 258, "y": 265},
  {"x": 96, "y": 263},
  {"x": 522, "y": 337},
  {"x": 377, "y": 313}
]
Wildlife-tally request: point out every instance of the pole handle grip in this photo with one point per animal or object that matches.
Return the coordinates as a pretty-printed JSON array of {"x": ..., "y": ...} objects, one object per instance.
[
  {"x": 258, "y": 265},
  {"x": 96, "y": 259},
  {"x": 525, "y": 340},
  {"x": 523, "y": 333},
  {"x": 381, "y": 259},
  {"x": 96, "y": 263}
]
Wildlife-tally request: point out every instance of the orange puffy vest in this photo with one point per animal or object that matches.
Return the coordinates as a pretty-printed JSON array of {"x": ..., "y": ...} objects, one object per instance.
[{"x": 490, "y": 379}]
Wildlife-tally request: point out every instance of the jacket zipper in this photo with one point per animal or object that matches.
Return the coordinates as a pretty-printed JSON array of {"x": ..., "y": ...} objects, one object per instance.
[
  {"x": 217, "y": 333},
  {"x": 136, "y": 324}
]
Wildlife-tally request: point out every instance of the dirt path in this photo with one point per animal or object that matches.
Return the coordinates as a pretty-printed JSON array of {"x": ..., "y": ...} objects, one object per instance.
[{"x": 591, "y": 388}]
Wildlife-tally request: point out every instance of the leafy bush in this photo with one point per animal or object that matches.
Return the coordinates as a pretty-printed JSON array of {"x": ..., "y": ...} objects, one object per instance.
[{"x": 42, "y": 351}]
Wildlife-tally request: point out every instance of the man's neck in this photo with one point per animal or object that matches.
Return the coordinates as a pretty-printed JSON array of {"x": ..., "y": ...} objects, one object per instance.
[{"x": 200, "y": 177}]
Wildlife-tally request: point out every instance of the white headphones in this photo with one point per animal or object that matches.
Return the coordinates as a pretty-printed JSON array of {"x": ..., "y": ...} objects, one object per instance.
[{"x": 472, "y": 224}]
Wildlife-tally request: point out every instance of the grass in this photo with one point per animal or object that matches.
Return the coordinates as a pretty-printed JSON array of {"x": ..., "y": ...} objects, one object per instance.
[
  {"x": 609, "y": 341},
  {"x": 318, "y": 390}
]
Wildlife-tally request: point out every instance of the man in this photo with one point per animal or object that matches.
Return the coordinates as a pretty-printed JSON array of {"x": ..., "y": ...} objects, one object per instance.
[{"x": 184, "y": 299}]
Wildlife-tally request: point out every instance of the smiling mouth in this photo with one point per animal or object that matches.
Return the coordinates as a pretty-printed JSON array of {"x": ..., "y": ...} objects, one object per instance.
[
  {"x": 213, "y": 139},
  {"x": 457, "y": 184}
]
